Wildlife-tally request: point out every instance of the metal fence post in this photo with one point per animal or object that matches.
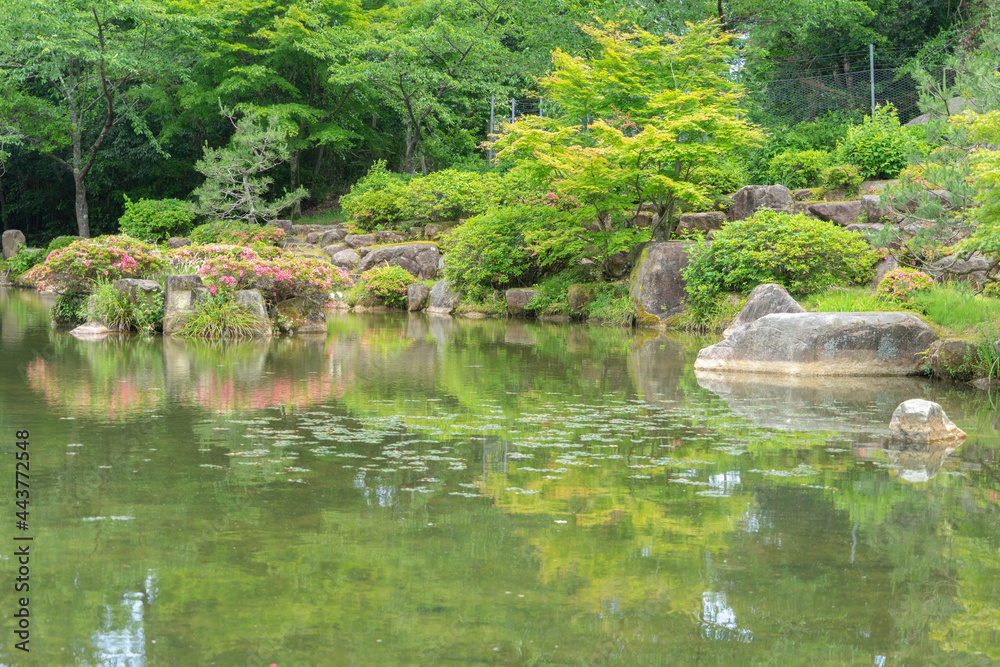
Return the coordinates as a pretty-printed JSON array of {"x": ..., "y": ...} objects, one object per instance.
[{"x": 871, "y": 60}]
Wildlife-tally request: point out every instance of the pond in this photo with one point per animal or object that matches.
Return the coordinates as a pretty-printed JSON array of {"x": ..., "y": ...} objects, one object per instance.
[{"x": 415, "y": 490}]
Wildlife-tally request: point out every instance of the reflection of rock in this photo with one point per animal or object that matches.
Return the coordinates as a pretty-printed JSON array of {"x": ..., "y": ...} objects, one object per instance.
[
  {"x": 656, "y": 366},
  {"x": 517, "y": 333},
  {"x": 440, "y": 326},
  {"x": 764, "y": 300},
  {"x": 848, "y": 405},
  {"x": 919, "y": 464},
  {"x": 416, "y": 327},
  {"x": 923, "y": 421},
  {"x": 864, "y": 344}
]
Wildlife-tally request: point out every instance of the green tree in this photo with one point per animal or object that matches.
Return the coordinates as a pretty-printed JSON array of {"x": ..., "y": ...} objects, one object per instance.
[
  {"x": 641, "y": 116},
  {"x": 234, "y": 187},
  {"x": 71, "y": 70}
]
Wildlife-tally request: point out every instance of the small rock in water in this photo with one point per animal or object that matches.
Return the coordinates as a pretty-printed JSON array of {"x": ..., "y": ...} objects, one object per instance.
[{"x": 923, "y": 421}]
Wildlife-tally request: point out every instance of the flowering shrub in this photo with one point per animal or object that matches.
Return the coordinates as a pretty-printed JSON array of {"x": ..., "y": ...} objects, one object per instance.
[
  {"x": 198, "y": 254},
  {"x": 900, "y": 284},
  {"x": 278, "y": 277},
  {"x": 552, "y": 200},
  {"x": 843, "y": 177},
  {"x": 78, "y": 266},
  {"x": 387, "y": 284},
  {"x": 237, "y": 232}
]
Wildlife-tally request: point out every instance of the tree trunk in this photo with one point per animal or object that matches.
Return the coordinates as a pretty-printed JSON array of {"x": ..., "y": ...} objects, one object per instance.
[
  {"x": 82, "y": 210},
  {"x": 293, "y": 165},
  {"x": 3, "y": 207},
  {"x": 412, "y": 137}
]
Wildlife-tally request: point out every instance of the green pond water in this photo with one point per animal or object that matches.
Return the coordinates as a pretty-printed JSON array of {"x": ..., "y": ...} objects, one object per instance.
[{"x": 428, "y": 491}]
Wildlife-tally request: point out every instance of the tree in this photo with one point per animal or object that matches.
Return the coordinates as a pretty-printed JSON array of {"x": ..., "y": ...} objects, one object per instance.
[
  {"x": 429, "y": 62},
  {"x": 69, "y": 73},
  {"x": 641, "y": 116},
  {"x": 234, "y": 187}
]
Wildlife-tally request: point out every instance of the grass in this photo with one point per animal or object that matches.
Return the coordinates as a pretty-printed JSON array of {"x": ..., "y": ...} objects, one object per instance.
[
  {"x": 492, "y": 303},
  {"x": 325, "y": 218},
  {"x": 219, "y": 318},
  {"x": 611, "y": 304}
]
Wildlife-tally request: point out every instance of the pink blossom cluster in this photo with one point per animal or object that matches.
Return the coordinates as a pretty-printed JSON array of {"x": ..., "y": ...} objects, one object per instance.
[
  {"x": 552, "y": 200},
  {"x": 80, "y": 264},
  {"x": 899, "y": 284},
  {"x": 278, "y": 277}
]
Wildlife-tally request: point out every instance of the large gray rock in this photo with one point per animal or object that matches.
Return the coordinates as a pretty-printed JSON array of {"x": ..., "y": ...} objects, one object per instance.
[
  {"x": 420, "y": 259},
  {"x": 953, "y": 107},
  {"x": 146, "y": 291},
  {"x": 883, "y": 268},
  {"x": 579, "y": 297},
  {"x": 750, "y": 198},
  {"x": 518, "y": 300},
  {"x": 973, "y": 269},
  {"x": 921, "y": 421},
  {"x": 841, "y": 213},
  {"x": 12, "y": 238},
  {"x": 177, "y": 242},
  {"x": 442, "y": 298},
  {"x": 875, "y": 211},
  {"x": 346, "y": 259},
  {"x": 867, "y": 344},
  {"x": 416, "y": 296},
  {"x": 952, "y": 359},
  {"x": 334, "y": 248},
  {"x": 299, "y": 316},
  {"x": 764, "y": 300},
  {"x": 656, "y": 287},
  {"x": 91, "y": 331},
  {"x": 359, "y": 240},
  {"x": 385, "y": 236},
  {"x": 617, "y": 265},
  {"x": 181, "y": 295},
  {"x": 252, "y": 301},
  {"x": 702, "y": 222},
  {"x": 332, "y": 236}
]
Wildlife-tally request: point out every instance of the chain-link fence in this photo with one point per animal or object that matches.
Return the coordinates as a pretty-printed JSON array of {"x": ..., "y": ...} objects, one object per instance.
[{"x": 843, "y": 83}]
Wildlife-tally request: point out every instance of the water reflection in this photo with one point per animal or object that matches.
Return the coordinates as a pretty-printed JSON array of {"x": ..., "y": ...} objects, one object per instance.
[{"x": 121, "y": 640}]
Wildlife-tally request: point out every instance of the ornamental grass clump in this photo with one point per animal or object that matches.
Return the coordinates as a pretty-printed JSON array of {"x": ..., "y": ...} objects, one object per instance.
[
  {"x": 80, "y": 265},
  {"x": 115, "y": 309},
  {"x": 220, "y": 318}
]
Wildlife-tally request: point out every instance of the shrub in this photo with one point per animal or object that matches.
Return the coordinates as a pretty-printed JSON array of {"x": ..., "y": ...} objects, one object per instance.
[
  {"x": 488, "y": 251},
  {"x": 387, "y": 284},
  {"x": 242, "y": 233},
  {"x": 24, "y": 261},
  {"x": 278, "y": 277},
  {"x": 879, "y": 146},
  {"x": 116, "y": 310},
  {"x": 449, "y": 195},
  {"x": 69, "y": 309},
  {"x": 798, "y": 169},
  {"x": 60, "y": 242},
  {"x": 78, "y": 266},
  {"x": 218, "y": 318},
  {"x": 800, "y": 253},
  {"x": 376, "y": 198},
  {"x": 382, "y": 198},
  {"x": 155, "y": 220},
  {"x": 843, "y": 177},
  {"x": 900, "y": 284},
  {"x": 611, "y": 304}
]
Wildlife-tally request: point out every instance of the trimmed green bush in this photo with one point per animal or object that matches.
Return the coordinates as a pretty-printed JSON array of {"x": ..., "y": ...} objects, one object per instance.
[
  {"x": 155, "y": 220},
  {"x": 844, "y": 177},
  {"x": 383, "y": 198},
  {"x": 387, "y": 284},
  {"x": 802, "y": 254},
  {"x": 239, "y": 233},
  {"x": 799, "y": 169},
  {"x": 60, "y": 242},
  {"x": 488, "y": 251},
  {"x": 879, "y": 146}
]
